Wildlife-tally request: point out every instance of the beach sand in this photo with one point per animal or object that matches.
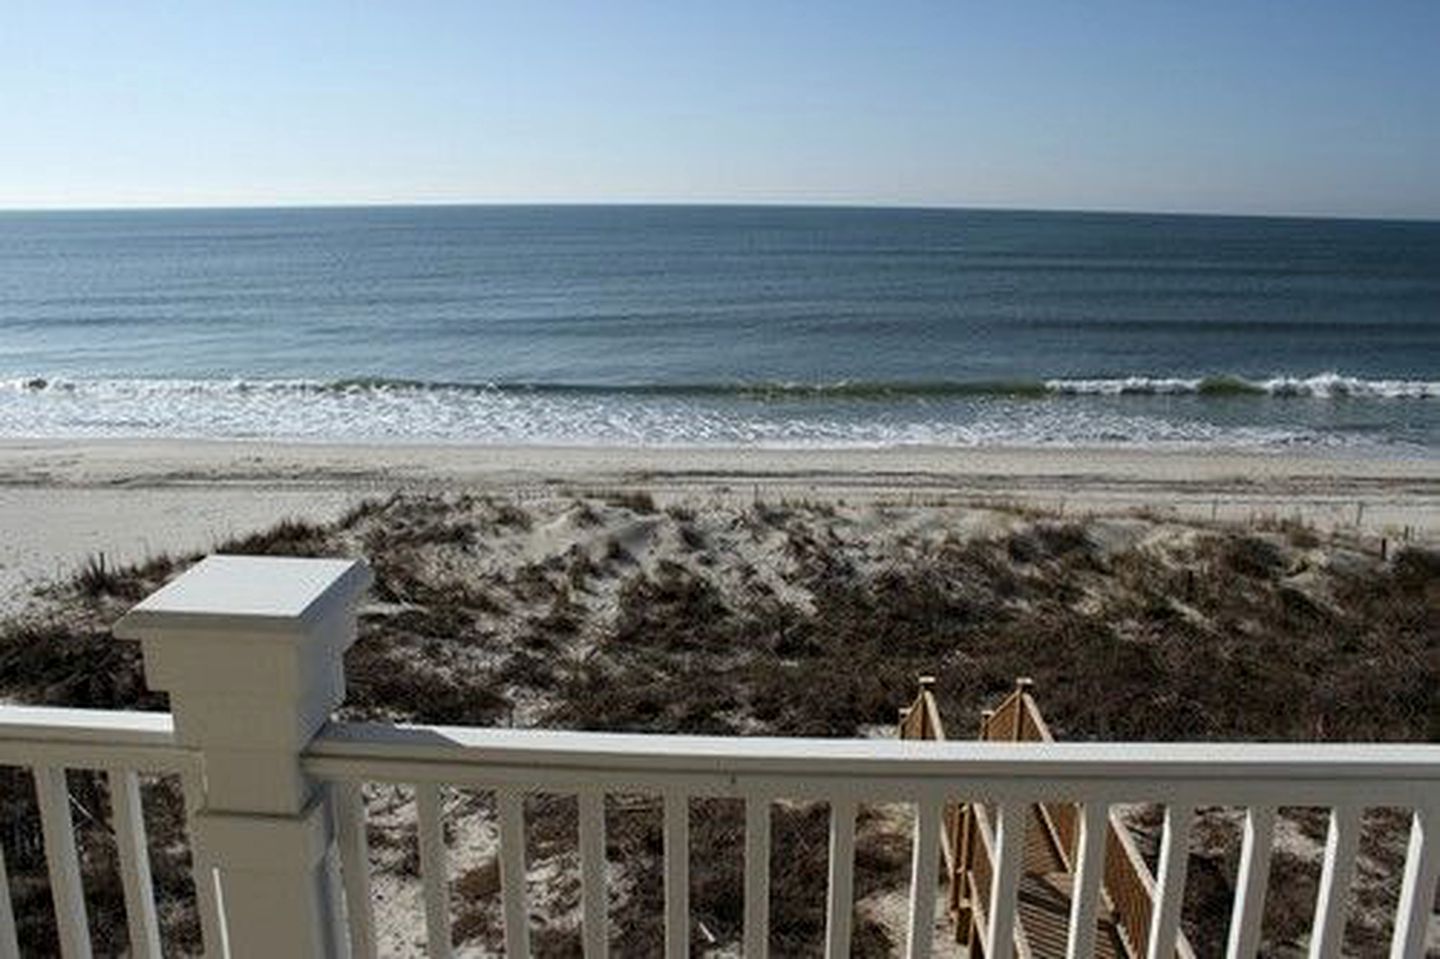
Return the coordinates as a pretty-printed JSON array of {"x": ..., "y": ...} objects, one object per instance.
[
  {"x": 62, "y": 501},
  {"x": 691, "y": 590}
]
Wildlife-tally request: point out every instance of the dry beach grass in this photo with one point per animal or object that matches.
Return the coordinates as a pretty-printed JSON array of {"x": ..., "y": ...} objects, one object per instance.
[{"x": 590, "y": 608}]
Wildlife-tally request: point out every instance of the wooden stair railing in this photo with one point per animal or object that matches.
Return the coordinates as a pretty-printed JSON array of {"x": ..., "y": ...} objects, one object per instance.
[{"x": 1127, "y": 888}]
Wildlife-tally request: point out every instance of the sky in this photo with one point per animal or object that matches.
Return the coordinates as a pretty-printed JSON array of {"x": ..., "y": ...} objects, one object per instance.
[{"x": 1307, "y": 107}]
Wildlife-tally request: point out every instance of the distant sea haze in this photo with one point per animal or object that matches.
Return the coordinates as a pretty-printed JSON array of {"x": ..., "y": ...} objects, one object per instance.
[{"x": 722, "y": 325}]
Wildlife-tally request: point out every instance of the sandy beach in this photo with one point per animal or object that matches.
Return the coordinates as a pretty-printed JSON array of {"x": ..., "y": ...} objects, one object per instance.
[
  {"x": 698, "y": 592},
  {"x": 62, "y": 501}
]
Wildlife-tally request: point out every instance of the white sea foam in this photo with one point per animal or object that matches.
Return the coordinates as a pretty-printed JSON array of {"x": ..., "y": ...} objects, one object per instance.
[
  {"x": 1333, "y": 384},
  {"x": 1321, "y": 386},
  {"x": 395, "y": 411},
  {"x": 1126, "y": 385}
]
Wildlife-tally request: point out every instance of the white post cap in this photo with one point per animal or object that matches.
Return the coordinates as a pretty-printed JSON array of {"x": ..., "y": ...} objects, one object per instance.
[
  {"x": 251, "y": 650},
  {"x": 263, "y": 596}
]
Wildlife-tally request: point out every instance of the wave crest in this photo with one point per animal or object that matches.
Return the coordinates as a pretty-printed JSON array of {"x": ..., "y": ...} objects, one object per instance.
[
  {"x": 1319, "y": 386},
  {"x": 782, "y": 415}
]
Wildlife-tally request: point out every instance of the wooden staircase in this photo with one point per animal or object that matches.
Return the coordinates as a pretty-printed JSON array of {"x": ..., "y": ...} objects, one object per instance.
[{"x": 1051, "y": 833}]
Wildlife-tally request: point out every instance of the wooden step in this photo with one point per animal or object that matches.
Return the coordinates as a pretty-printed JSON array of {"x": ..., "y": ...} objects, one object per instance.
[{"x": 1044, "y": 901}]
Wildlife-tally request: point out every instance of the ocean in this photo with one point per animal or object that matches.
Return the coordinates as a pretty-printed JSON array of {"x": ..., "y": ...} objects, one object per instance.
[{"x": 680, "y": 326}]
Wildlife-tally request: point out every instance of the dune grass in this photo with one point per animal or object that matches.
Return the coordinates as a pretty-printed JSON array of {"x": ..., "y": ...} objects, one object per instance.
[{"x": 790, "y": 618}]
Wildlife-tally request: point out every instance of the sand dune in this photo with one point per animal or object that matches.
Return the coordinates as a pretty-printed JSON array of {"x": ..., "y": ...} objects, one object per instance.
[{"x": 61, "y": 500}]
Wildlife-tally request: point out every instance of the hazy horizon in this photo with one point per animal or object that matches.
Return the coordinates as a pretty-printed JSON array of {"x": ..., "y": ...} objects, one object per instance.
[{"x": 716, "y": 204}]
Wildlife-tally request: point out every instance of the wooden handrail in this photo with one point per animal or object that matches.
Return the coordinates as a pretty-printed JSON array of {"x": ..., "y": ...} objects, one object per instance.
[
  {"x": 1127, "y": 890},
  {"x": 1131, "y": 889}
]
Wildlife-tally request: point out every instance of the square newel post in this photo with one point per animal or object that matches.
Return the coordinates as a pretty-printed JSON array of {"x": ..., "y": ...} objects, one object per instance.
[{"x": 251, "y": 649}]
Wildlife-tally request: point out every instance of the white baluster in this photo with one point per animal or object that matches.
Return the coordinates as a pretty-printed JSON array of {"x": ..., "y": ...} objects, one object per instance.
[
  {"x": 9, "y": 946},
  {"x": 1170, "y": 883},
  {"x": 677, "y": 875},
  {"x": 1094, "y": 822},
  {"x": 511, "y": 806},
  {"x": 434, "y": 870},
  {"x": 757, "y": 877},
  {"x": 924, "y": 866},
  {"x": 1417, "y": 891},
  {"x": 134, "y": 852},
  {"x": 215, "y": 938},
  {"x": 1005, "y": 878},
  {"x": 65, "y": 885},
  {"x": 840, "y": 902},
  {"x": 354, "y": 846},
  {"x": 594, "y": 900},
  {"x": 1251, "y": 881},
  {"x": 1340, "y": 846}
]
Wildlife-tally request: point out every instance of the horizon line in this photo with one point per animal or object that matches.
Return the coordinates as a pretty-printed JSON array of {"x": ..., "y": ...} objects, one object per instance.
[{"x": 715, "y": 204}]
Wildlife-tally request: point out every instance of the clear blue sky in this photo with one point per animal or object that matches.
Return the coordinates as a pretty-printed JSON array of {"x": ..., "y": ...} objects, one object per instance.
[{"x": 1263, "y": 106}]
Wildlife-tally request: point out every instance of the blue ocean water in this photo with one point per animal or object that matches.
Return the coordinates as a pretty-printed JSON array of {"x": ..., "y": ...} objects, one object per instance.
[{"x": 720, "y": 325}]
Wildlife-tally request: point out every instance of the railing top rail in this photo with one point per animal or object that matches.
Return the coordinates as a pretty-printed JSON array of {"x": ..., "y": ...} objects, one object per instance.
[
  {"x": 91, "y": 738},
  {"x": 1198, "y": 772},
  {"x": 110, "y": 726}
]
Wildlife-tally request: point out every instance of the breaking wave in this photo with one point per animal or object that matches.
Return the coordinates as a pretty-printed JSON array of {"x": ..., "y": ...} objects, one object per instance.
[
  {"x": 1318, "y": 386},
  {"x": 1063, "y": 412}
]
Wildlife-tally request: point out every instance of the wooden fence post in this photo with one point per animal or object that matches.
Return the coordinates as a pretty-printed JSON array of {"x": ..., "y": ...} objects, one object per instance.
[
  {"x": 927, "y": 686},
  {"x": 1023, "y": 685}
]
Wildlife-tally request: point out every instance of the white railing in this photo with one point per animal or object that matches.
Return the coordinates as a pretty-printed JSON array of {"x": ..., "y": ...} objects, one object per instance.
[
  {"x": 846, "y": 772},
  {"x": 250, "y": 651},
  {"x": 122, "y": 746}
]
